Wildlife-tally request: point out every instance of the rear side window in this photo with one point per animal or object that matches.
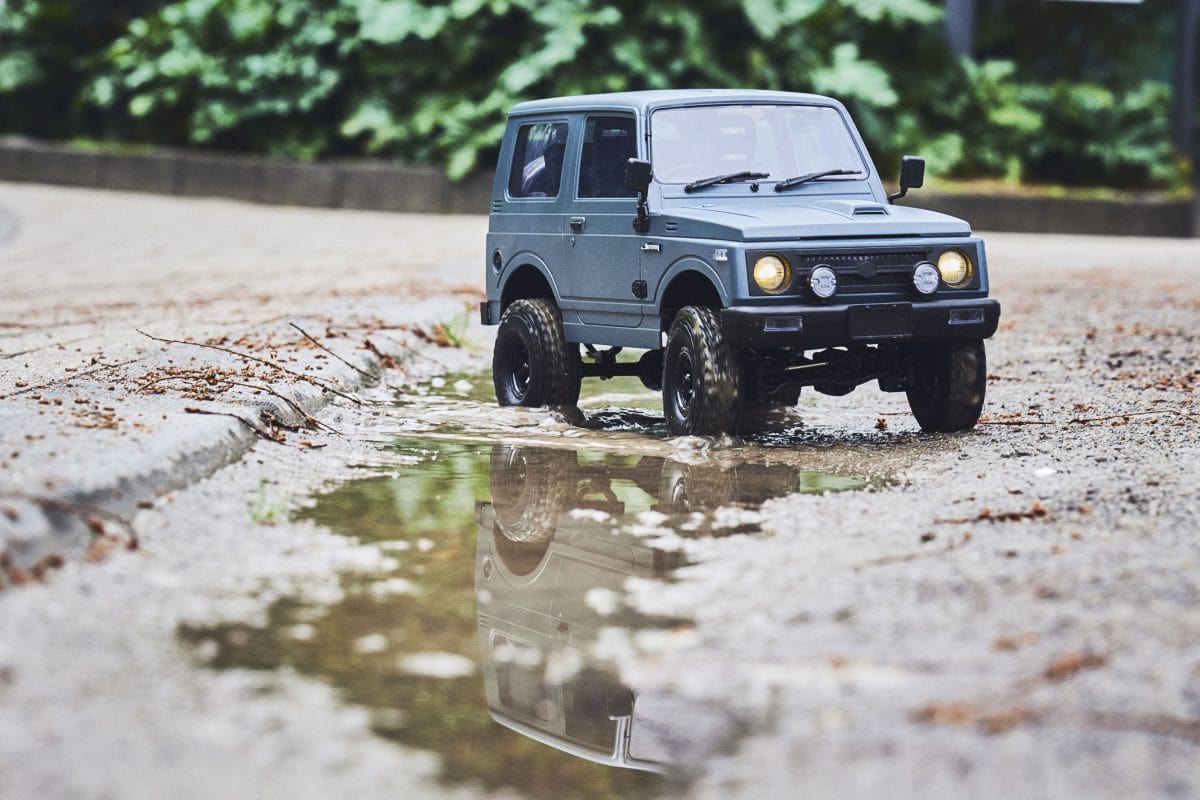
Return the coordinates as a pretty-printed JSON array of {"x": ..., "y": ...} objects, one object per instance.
[
  {"x": 608, "y": 143},
  {"x": 538, "y": 160}
]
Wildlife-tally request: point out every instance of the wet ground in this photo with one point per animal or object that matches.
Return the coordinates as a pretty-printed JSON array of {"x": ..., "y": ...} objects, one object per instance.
[
  {"x": 497, "y": 625},
  {"x": 532, "y": 606}
]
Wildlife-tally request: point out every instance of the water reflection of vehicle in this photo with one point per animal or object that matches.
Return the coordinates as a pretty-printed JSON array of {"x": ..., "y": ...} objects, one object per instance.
[
  {"x": 532, "y": 486},
  {"x": 551, "y": 564},
  {"x": 536, "y": 564}
]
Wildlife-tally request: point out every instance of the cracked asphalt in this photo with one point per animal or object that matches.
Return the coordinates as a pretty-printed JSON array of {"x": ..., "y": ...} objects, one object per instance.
[{"x": 1014, "y": 611}]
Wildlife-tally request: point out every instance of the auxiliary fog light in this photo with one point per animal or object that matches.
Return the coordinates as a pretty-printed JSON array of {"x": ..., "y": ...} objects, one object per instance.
[
  {"x": 823, "y": 281},
  {"x": 955, "y": 268},
  {"x": 925, "y": 278},
  {"x": 772, "y": 273}
]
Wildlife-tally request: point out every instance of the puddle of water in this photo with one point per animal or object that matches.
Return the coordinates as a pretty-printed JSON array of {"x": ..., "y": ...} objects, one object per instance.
[
  {"x": 465, "y": 402},
  {"x": 494, "y": 642},
  {"x": 616, "y": 404},
  {"x": 473, "y": 386},
  {"x": 625, "y": 391}
]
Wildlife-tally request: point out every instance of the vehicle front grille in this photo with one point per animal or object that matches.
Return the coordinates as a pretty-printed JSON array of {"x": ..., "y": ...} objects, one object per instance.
[{"x": 860, "y": 272}]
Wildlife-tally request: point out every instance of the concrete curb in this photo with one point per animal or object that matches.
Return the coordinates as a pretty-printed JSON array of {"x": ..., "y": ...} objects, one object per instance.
[
  {"x": 190, "y": 448},
  {"x": 389, "y": 186},
  {"x": 1171, "y": 218},
  {"x": 186, "y": 448},
  {"x": 363, "y": 184}
]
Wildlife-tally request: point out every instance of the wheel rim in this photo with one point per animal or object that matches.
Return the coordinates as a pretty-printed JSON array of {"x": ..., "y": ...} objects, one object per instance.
[
  {"x": 685, "y": 383},
  {"x": 518, "y": 370},
  {"x": 515, "y": 468}
]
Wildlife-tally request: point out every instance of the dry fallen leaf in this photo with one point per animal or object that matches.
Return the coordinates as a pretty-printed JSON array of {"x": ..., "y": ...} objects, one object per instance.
[
  {"x": 1068, "y": 664},
  {"x": 1015, "y": 641}
]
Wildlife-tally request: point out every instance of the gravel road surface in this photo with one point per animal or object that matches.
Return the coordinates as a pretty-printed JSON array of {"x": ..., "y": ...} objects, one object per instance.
[{"x": 1013, "y": 611}]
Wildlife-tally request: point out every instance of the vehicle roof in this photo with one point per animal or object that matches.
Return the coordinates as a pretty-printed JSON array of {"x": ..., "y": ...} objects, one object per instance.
[{"x": 646, "y": 100}]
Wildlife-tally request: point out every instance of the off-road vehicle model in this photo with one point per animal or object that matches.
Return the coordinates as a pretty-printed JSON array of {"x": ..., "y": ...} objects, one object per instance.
[{"x": 744, "y": 240}]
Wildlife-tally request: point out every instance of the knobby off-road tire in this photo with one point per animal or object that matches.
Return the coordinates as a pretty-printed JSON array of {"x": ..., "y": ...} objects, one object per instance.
[
  {"x": 694, "y": 487},
  {"x": 951, "y": 380},
  {"x": 533, "y": 364},
  {"x": 701, "y": 380},
  {"x": 531, "y": 487}
]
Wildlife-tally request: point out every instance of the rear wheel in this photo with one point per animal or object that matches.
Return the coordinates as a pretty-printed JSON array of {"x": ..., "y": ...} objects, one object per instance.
[
  {"x": 701, "y": 386},
  {"x": 533, "y": 364},
  {"x": 950, "y": 383}
]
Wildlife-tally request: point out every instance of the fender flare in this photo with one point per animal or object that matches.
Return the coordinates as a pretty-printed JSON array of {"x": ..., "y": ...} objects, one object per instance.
[
  {"x": 691, "y": 263},
  {"x": 521, "y": 260}
]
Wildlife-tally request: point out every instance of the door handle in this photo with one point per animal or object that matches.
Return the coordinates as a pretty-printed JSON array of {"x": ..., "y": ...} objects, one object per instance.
[{"x": 577, "y": 224}]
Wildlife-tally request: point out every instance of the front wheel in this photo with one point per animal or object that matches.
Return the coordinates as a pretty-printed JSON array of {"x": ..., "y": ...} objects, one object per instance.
[
  {"x": 950, "y": 381},
  {"x": 533, "y": 364},
  {"x": 701, "y": 387}
]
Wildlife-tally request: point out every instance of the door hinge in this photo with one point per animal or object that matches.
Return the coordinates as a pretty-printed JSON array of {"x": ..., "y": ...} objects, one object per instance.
[{"x": 640, "y": 290}]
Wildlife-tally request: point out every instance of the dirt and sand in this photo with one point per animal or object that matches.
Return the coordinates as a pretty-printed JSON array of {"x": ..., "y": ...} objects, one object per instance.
[{"x": 1011, "y": 611}]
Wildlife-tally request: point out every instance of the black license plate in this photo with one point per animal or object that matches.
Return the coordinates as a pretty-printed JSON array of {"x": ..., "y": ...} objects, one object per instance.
[{"x": 881, "y": 321}]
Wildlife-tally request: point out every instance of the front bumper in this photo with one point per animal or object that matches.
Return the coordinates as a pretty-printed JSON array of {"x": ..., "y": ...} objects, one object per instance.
[{"x": 809, "y": 327}]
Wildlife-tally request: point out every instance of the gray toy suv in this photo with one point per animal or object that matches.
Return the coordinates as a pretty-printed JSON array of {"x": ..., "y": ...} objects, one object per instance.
[{"x": 744, "y": 240}]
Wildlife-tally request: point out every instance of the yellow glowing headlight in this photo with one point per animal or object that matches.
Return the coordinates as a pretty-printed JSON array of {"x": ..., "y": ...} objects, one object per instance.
[
  {"x": 954, "y": 267},
  {"x": 772, "y": 273}
]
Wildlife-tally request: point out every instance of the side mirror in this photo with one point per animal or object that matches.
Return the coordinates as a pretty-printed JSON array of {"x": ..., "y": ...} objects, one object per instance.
[
  {"x": 637, "y": 179},
  {"x": 912, "y": 175},
  {"x": 637, "y": 175}
]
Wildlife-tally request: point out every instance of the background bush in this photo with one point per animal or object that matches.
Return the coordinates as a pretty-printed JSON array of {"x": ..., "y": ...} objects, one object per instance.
[{"x": 431, "y": 81}]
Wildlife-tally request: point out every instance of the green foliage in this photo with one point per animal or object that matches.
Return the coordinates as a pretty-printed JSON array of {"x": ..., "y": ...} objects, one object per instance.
[
  {"x": 43, "y": 44},
  {"x": 430, "y": 81},
  {"x": 1093, "y": 135},
  {"x": 1112, "y": 44},
  {"x": 984, "y": 120},
  {"x": 243, "y": 74},
  {"x": 18, "y": 59},
  {"x": 993, "y": 124}
]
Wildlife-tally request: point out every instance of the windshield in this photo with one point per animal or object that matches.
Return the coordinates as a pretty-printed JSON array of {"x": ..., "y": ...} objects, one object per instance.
[{"x": 698, "y": 142}]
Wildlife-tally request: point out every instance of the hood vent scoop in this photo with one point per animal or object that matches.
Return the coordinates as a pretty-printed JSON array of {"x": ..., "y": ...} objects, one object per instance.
[
  {"x": 853, "y": 208},
  {"x": 672, "y": 226}
]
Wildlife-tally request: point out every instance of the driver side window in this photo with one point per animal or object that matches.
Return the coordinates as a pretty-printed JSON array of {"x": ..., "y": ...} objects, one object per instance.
[{"x": 608, "y": 143}]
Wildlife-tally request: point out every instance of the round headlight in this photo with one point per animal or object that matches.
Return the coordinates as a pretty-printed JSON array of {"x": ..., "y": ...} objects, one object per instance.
[
  {"x": 771, "y": 273},
  {"x": 955, "y": 268},
  {"x": 925, "y": 278},
  {"x": 823, "y": 281}
]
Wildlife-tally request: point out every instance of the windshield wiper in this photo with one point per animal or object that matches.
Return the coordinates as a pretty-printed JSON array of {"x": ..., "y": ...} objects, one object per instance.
[
  {"x": 812, "y": 176},
  {"x": 745, "y": 175}
]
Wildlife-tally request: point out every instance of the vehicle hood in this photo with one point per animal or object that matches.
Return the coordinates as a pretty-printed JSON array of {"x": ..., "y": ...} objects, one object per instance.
[{"x": 814, "y": 219}]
